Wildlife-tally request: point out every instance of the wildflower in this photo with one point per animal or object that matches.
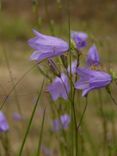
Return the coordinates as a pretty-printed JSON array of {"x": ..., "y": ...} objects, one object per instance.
[
  {"x": 93, "y": 57},
  {"x": 61, "y": 123},
  {"x": 46, "y": 46},
  {"x": 17, "y": 116},
  {"x": 80, "y": 39},
  {"x": 73, "y": 67},
  {"x": 3, "y": 123},
  {"x": 91, "y": 79},
  {"x": 46, "y": 151},
  {"x": 60, "y": 87}
]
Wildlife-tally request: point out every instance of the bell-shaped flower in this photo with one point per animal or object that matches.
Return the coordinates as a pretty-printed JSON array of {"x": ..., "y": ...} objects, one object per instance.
[
  {"x": 4, "y": 127},
  {"x": 60, "y": 87},
  {"x": 91, "y": 79},
  {"x": 80, "y": 39},
  {"x": 46, "y": 46},
  {"x": 62, "y": 122},
  {"x": 93, "y": 57}
]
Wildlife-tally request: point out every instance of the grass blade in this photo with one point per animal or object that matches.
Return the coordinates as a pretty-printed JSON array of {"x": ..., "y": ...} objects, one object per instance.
[
  {"x": 30, "y": 121},
  {"x": 41, "y": 134}
]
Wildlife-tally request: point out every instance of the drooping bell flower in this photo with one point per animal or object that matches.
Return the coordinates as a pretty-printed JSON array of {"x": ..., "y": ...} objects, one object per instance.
[
  {"x": 93, "y": 57},
  {"x": 91, "y": 79},
  {"x": 46, "y": 46},
  {"x": 62, "y": 122},
  {"x": 60, "y": 87},
  {"x": 80, "y": 39},
  {"x": 4, "y": 127}
]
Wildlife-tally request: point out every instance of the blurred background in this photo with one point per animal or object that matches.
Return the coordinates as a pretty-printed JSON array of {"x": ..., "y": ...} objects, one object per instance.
[{"x": 17, "y": 19}]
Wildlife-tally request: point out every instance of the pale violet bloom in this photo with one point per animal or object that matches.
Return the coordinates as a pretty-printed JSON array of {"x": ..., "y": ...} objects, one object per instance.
[
  {"x": 73, "y": 67},
  {"x": 4, "y": 127},
  {"x": 60, "y": 87},
  {"x": 62, "y": 122},
  {"x": 46, "y": 151},
  {"x": 93, "y": 57},
  {"x": 17, "y": 116},
  {"x": 80, "y": 39},
  {"x": 46, "y": 46},
  {"x": 91, "y": 79}
]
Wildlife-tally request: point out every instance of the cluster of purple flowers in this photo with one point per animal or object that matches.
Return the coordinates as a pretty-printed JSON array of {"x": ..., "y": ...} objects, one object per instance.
[{"x": 47, "y": 47}]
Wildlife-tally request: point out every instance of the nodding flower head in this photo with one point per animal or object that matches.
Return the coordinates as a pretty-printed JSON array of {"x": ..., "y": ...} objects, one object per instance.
[
  {"x": 46, "y": 46},
  {"x": 93, "y": 57},
  {"x": 4, "y": 127},
  {"x": 80, "y": 39},
  {"x": 60, "y": 87},
  {"x": 91, "y": 79},
  {"x": 61, "y": 123}
]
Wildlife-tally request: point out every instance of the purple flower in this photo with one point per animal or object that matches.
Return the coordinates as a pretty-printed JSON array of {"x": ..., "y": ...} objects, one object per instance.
[
  {"x": 93, "y": 56},
  {"x": 61, "y": 123},
  {"x": 80, "y": 39},
  {"x": 73, "y": 67},
  {"x": 17, "y": 116},
  {"x": 60, "y": 87},
  {"x": 3, "y": 123},
  {"x": 46, "y": 46},
  {"x": 46, "y": 151},
  {"x": 91, "y": 79}
]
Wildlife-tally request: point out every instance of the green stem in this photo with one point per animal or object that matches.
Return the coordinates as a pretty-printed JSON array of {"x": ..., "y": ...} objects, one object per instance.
[
  {"x": 75, "y": 126},
  {"x": 30, "y": 121},
  {"x": 104, "y": 123},
  {"x": 16, "y": 84},
  {"x": 82, "y": 116},
  {"x": 41, "y": 134},
  {"x": 12, "y": 81},
  {"x": 112, "y": 98}
]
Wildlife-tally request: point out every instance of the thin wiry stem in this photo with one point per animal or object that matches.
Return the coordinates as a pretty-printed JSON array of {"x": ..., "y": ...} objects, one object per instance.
[
  {"x": 82, "y": 116},
  {"x": 41, "y": 134},
  {"x": 30, "y": 121},
  {"x": 12, "y": 81},
  {"x": 71, "y": 99},
  {"x": 104, "y": 122},
  {"x": 16, "y": 84},
  {"x": 113, "y": 99},
  {"x": 72, "y": 86},
  {"x": 3, "y": 90},
  {"x": 75, "y": 126},
  {"x": 69, "y": 30}
]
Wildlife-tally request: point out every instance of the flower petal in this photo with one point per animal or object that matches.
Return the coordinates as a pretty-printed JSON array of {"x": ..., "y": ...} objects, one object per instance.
[
  {"x": 93, "y": 56},
  {"x": 80, "y": 39},
  {"x": 60, "y": 87},
  {"x": 45, "y": 43},
  {"x": 3, "y": 123}
]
